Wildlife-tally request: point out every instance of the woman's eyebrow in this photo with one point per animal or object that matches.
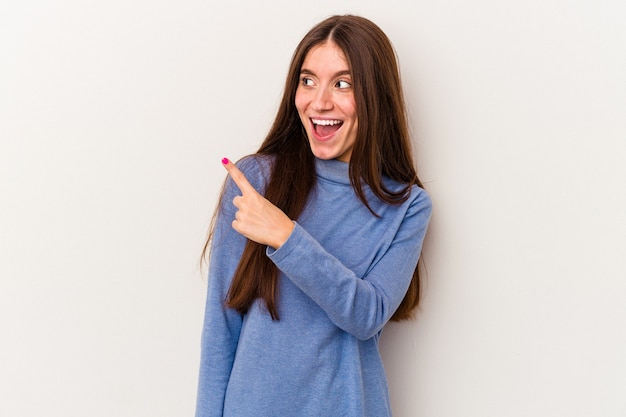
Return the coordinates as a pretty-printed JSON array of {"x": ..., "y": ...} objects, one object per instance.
[{"x": 305, "y": 71}]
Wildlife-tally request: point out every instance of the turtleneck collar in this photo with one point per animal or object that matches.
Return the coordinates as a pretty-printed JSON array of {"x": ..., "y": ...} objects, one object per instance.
[{"x": 333, "y": 170}]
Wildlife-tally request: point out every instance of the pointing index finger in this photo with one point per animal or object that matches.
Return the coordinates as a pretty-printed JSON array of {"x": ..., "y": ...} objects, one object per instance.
[{"x": 238, "y": 176}]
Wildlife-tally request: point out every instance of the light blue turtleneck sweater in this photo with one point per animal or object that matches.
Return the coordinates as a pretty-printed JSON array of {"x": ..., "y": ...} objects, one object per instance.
[{"x": 343, "y": 273}]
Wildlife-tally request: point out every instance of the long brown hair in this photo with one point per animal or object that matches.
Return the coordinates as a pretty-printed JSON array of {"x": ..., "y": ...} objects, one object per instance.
[{"x": 382, "y": 148}]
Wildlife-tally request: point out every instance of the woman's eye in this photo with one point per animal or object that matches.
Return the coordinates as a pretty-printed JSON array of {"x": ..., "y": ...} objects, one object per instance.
[
  {"x": 307, "y": 81},
  {"x": 343, "y": 84}
]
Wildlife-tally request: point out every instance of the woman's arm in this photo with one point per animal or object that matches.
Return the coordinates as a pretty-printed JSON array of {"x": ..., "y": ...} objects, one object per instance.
[
  {"x": 220, "y": 332},
  {"x": 359, "y": 305}
]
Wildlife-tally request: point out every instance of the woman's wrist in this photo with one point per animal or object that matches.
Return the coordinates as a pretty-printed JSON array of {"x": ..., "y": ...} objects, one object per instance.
[{"x": 283, "y": 234}]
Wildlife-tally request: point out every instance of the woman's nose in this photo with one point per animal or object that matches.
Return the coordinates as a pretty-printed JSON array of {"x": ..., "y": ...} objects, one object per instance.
[{"x": 322, "y": 100}]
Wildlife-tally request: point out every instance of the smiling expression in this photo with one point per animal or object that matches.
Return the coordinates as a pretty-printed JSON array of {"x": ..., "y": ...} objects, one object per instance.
[{"x": 325, "y": 102}]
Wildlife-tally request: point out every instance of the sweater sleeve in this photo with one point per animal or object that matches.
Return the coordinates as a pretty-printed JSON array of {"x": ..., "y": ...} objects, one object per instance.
[
  {"x": 222, "y": 325},
  {"x": 360, "y": 306}
]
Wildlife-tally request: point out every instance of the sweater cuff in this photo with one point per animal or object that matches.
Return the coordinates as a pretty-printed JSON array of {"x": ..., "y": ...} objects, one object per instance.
[{"x": 290, "y": 244}]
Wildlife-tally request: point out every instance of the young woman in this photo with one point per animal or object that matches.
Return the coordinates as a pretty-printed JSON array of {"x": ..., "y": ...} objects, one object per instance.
[{"x": 315, "y": 243}]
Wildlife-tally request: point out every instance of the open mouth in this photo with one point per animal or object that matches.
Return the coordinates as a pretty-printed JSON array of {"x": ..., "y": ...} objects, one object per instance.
[{"x": 324, "y": 128}]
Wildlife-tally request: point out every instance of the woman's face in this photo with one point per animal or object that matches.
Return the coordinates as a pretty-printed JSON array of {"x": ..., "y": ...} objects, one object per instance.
[{"x": 325, "y": 102}]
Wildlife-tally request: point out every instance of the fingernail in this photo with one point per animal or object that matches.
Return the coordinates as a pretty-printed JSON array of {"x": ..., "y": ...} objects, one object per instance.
[{"x": 224, "y": 161}]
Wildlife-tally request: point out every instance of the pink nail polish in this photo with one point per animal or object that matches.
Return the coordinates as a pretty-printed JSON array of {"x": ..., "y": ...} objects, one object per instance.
[{"x": 224, "y": 161}]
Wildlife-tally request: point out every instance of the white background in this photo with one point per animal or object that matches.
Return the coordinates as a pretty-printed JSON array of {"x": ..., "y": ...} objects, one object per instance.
[{"x": 114, "y": 116}]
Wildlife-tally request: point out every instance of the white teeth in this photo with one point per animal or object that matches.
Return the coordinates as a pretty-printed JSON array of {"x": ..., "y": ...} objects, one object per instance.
[{"x": 326, "y": 122}]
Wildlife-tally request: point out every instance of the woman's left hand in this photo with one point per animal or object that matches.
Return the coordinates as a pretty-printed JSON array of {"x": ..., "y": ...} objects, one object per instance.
[{"x": 257, "y": 218}]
